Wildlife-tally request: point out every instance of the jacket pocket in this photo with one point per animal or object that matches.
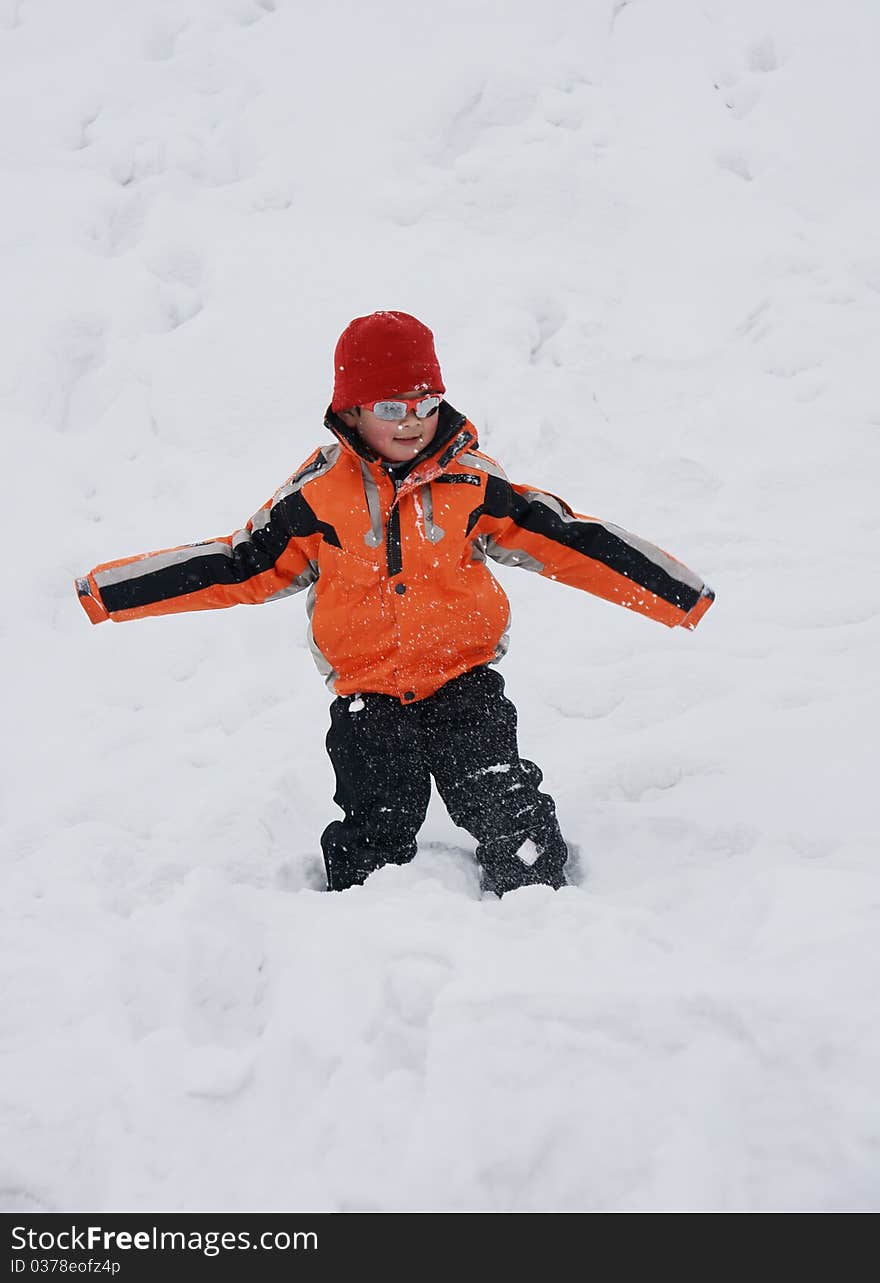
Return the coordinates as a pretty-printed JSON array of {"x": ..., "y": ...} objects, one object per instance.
[{"x": 350, "y": 622}]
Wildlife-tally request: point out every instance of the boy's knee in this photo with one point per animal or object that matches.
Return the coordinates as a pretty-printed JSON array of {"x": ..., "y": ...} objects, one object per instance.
[{"x": 504, "y": 798}]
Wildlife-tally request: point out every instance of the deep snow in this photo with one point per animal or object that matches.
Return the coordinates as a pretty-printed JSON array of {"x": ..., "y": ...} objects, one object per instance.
[{"x": 646, "y": 235}]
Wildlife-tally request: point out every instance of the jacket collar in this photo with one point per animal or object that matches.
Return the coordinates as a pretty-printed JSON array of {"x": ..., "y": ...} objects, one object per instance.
[{"x": 454, "y": 435}]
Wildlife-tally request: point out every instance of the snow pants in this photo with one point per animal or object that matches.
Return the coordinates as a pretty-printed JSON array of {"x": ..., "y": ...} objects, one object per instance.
[{"x": 384, "y": 755}]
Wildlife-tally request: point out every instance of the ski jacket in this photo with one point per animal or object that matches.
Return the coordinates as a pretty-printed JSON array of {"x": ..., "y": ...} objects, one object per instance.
[{"x": 400, "y": 599}]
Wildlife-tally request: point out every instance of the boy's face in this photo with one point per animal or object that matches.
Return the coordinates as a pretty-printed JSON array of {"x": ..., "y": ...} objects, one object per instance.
[{"x": 399, "y": 439}]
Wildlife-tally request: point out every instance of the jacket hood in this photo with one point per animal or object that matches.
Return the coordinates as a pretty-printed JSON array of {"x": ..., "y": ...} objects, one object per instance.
[{"x": 454, "y": 434}]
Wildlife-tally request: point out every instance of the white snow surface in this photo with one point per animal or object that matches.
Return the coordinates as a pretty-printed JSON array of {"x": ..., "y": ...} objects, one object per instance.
[{"x": 646, "y": 234}]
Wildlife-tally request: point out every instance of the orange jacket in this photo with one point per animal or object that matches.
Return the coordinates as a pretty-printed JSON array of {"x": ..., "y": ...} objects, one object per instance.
[{"x": 400, "y": 597}]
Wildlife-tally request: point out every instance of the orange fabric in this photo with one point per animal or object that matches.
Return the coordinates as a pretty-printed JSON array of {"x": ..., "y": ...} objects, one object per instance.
[
  {"x": 694, "y": 616},
  {"x": 402, "y": 598},
  {"x": 90, "y": 601},
  {"x": 411, "y": 632}
]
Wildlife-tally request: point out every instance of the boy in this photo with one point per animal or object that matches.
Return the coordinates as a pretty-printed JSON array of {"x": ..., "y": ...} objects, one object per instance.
[{"x": 389, "y": 528}]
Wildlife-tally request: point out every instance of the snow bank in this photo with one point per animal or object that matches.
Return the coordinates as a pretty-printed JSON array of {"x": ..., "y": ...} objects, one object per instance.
[{"x": 646, "y": 237}]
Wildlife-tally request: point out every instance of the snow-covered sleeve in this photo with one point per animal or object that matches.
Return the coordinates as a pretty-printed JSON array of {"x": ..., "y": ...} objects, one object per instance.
[
  {"x": 273, "y": 555},
  {"x": 522, "y": 526}
]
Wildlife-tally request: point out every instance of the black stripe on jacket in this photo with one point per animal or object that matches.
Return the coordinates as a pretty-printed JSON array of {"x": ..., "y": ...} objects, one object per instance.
[
  {"x": 291, "y": 517},
  {"x": 590, "y": 539},
  {"x": 393, "y": 549}
]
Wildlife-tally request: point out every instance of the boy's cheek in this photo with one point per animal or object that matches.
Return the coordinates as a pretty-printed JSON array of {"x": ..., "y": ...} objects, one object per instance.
[{"x": 375, "y": 439}]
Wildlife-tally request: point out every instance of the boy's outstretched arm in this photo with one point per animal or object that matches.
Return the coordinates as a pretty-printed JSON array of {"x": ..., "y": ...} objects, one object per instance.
[
  {"x": 522, "y": 526},
  {"x": 273, "y": 555}
]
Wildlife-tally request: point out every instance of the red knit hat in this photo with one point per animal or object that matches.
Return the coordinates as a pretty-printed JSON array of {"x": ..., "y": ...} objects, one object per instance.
[{"x": 383, "y": 354}]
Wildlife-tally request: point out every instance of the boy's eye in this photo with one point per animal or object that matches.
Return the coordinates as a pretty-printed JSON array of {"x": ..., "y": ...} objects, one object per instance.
[{"x": 390, "y": 410}]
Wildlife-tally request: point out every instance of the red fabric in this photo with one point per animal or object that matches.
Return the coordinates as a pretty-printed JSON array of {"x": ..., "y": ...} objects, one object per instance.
[{"x": 383, "y": 354}]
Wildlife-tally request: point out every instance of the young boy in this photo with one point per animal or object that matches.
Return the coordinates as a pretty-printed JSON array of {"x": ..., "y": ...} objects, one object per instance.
[{"x": 389, "y": 528}]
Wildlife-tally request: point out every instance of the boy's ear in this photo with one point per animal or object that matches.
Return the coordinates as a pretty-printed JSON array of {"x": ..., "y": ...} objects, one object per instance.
[{"x": 350, "y": 417}]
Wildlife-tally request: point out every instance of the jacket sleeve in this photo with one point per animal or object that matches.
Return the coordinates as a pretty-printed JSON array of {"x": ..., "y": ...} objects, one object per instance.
[
  {"x": 522, "y": 526},
  {"x": 273, "y": 555}
]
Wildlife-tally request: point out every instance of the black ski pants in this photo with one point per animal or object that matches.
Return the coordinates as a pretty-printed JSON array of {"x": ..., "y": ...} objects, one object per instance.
[{"x": 384, "y": 754}]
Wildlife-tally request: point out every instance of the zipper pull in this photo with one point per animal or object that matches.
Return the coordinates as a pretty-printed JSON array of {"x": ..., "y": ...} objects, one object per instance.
[{"x": 356, "y": 704}]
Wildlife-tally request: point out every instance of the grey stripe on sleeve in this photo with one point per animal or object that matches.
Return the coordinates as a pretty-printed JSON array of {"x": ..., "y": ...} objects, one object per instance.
[
  {"x": 675, "y": 569},
  {"x": 509, "y": 556},
  {"x": 308, "y": 577},
  {"x": 656, "y": 555},
  {"x": 153, "y": 561},
  {"x": 485, "y": 465}
]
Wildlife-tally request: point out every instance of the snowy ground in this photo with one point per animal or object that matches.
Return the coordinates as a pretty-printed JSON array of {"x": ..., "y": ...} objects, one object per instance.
[{"x": 646, "y": 234}]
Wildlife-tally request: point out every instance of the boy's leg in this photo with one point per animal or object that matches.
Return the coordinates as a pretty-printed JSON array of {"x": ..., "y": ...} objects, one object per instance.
[
  {"x": 382, "y": 785},
  {"x": 469, "y": 731}
]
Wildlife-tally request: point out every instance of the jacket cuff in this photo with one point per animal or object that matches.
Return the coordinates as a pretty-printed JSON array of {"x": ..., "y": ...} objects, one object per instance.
[
  {"x": 89, "y": 600},
  {"x": 693, "y": 617}
]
